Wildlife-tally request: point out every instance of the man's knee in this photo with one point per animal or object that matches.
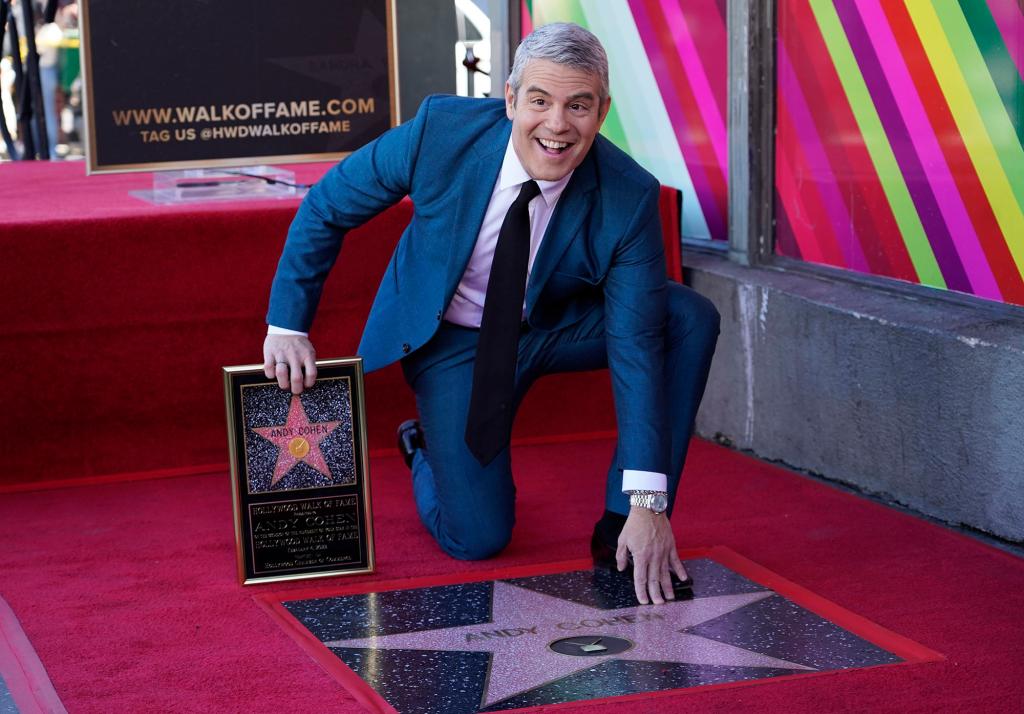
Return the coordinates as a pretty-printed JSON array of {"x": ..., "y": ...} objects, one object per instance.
[
  {"x": 693, "y": 313},
  {"x": 479, "y": 543}
]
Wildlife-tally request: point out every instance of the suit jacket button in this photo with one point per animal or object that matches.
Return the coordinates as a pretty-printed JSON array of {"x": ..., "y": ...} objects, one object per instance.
[
  {"x": 438, "y": 316},
  {"x": 406, "y": 348}
]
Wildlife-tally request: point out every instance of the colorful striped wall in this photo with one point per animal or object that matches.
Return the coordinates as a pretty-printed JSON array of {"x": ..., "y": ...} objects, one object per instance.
[
  {"x": 899, "y": 146},
  {"x": 668, "y": 82}
]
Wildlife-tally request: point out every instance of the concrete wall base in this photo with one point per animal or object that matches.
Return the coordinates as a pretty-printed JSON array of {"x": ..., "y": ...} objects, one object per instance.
[{"x": 915, "y": 399}]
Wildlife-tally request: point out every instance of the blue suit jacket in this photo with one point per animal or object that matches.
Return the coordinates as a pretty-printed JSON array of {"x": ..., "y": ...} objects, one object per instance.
[{"x": 602, "y": 248}]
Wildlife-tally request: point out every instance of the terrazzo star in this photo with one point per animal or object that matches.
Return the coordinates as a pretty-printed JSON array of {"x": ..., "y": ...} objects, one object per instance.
[{"x": 519, "y": 664}]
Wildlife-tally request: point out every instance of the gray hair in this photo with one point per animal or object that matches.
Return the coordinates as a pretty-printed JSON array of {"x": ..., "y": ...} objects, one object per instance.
[{"x": 564, "y": 43}]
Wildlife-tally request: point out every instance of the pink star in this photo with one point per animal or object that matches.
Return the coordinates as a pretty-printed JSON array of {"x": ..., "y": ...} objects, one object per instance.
[
  {"x": 524, "y": 623},
  {"x": 298, "y": 439}
]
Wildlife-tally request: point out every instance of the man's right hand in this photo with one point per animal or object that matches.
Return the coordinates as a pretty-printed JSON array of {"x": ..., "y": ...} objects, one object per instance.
[{"x": 290, "y": 358}]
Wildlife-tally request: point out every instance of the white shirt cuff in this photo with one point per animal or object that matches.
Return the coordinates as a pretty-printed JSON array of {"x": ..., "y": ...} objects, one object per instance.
[
  {"x": 271, "y": 330},
  {"x": 643, "y": 481}
]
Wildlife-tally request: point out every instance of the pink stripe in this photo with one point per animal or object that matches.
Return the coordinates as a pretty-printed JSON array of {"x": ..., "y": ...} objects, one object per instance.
[
  {"x": 817, "y": 161},
  {"x": 707, "y": 28},
  {"x": 947, "y": 195},
  {"x": 792, "y": 204},
  {"x": 527, "y": 21},
  {"x": 1010, "y": 19},
  {"x": 706, "y": 104},
  {"x": 673, "y": 105}
]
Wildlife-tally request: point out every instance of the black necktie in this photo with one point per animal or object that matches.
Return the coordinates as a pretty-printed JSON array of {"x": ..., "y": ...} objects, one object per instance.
[{"x": 489, "y": 423}]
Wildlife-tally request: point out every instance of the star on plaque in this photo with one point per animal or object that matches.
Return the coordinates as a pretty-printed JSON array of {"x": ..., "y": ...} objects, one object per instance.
[{"x": 298, "y": 440}]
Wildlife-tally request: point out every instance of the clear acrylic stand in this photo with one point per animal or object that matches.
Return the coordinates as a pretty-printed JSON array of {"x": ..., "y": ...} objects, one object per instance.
[{"x": 228, "y": 184}]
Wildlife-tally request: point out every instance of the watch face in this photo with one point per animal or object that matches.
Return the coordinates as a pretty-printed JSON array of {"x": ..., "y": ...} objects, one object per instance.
[{"x": 659, "y": 503}]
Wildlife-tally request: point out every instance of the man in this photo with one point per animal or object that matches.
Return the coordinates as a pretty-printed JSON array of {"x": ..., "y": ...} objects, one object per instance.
[{"x": 535, "y": 247}]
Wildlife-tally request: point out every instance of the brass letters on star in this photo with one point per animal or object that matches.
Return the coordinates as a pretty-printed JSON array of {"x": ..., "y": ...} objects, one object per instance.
[
  {"x": 605, "y": 621},
  {"x": 576, "y": 625}
]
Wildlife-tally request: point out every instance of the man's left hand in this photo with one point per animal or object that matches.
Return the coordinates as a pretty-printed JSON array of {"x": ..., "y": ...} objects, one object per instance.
[{"x": 648, "y": 536}]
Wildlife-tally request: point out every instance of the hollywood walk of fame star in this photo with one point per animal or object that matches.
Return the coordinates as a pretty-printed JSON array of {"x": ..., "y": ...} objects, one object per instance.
[
  {"x": 298, "y": 439},
  {"x": 524, "y": 623}
]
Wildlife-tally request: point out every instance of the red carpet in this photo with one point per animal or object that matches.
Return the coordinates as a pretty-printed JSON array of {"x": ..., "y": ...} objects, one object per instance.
[
  {"x": 118, "y": 317},
  {"x": 127, "y": 591}
]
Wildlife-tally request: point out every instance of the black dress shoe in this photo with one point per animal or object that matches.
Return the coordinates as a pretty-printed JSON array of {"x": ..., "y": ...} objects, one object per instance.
[
  {"x": 410, "y": 438},
  {"x": 604, "y": 557}
]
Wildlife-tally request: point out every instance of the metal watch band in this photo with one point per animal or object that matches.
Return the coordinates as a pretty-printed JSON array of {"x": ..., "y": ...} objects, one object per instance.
[{"x": 646, "y": 499}]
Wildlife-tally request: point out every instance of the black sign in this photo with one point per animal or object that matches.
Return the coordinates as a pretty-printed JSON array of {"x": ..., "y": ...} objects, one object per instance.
[
  {"x": 195, "y": 83},
  {"x": 299, "y": 474}
]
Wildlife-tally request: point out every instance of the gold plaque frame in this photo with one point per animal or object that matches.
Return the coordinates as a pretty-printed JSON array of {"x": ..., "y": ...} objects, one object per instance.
[{"x": 315, "y": 524}]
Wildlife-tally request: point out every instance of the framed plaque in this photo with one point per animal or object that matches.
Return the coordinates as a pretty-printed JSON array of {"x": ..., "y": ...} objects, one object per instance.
[
  {"x": 199, "y": 84},
  {"x": 299, "y": 474}
]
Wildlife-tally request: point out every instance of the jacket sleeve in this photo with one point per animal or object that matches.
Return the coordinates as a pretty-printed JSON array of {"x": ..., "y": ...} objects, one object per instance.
[
  {"x": 635, "y": 315},
  {"x": 358, "y": 188}
]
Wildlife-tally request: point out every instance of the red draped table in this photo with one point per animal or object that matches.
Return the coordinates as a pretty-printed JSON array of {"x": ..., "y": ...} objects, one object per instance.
[{"x": 118, "y": 315}]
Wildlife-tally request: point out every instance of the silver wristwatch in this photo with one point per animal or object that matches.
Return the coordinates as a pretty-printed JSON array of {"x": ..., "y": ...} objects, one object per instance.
[{"x": 656, "y": 501}]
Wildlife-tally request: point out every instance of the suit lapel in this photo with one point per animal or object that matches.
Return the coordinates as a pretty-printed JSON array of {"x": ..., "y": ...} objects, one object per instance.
[
  {"x": 573, "y": 207},
  {"x": 472, "y": 202}
]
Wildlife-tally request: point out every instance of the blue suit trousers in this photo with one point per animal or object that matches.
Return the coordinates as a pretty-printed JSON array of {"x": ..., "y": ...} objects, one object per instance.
[{"x": 469, "y": 508}]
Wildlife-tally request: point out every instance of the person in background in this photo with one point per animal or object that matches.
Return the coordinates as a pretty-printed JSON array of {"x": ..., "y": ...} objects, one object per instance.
[{"x": 48, "y": 40}]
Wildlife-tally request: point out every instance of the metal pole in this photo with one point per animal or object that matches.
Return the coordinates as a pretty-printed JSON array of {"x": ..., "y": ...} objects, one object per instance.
[
  {"x": 515, "y": 31},
  {"x": 751, "y": 130}
]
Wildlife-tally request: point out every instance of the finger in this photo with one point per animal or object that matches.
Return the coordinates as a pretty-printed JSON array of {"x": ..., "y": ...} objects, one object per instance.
[
  {"x": 677, "y": 565},
  {"x": 654, "y": 574},
  {"x": 268, "y": 363},
  {"x": 281, "y": 370},
  {"x": 309, "y": 368},
  {"x": 666, "y": 582},
  {"x": 654, "y": 588},
  {"x": 295, "y": 368},
  {"x": 640, "y": 580},
  {"x": 622, "y": 556}
]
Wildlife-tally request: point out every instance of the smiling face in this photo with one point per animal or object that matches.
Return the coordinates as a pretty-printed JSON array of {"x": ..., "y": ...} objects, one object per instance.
[{"x": 555, "y": 117}]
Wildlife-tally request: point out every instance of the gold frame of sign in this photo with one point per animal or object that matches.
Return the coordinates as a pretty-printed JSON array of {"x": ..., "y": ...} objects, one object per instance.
[{"x": 300, "y": 480}]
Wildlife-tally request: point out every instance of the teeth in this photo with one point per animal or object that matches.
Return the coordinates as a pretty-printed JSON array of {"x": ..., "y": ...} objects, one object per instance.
[{"x": 553, "y": 144}]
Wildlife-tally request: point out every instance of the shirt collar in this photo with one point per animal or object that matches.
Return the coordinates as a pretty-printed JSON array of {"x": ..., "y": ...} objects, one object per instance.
[{"x": 513, "y": 174}]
